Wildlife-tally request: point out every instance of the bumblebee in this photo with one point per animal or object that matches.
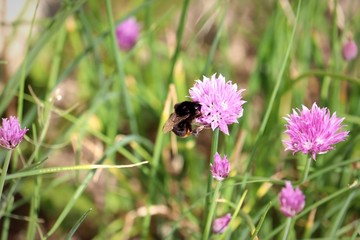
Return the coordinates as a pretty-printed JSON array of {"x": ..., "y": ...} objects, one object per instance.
[{"x": 180, "y": 121}]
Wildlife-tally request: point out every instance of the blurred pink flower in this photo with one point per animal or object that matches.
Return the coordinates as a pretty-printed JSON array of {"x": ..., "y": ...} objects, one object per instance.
[
  {"x": 220, "y": 224},
  {"x": 11, "y": 133},
  {"x": 349, "y": 50},
  {"x": 221, "y": 102},
  {"x": 127, "y": 34},
  {"x": 291, "y": 202},
  {"x": 313, "y": 131},
  {"x": 221, "y": 167}
]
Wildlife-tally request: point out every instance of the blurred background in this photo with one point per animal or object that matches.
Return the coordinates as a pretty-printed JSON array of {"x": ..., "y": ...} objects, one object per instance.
[{"x": 80, "y": 94}]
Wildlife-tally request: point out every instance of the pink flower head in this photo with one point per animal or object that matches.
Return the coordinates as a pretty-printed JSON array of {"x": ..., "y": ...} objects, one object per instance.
[
  {"x": 291, "y": 201},
  {"x": 127, "y": 34},
  {"x": 220, "y": 224},
  {"x": 349, "y": 50},
  {"x": 221, "y": 167},
  {"x": 11, "y": 133},
  {"x": 221, "y": 102},
  {"x": 313, "y": 131}
]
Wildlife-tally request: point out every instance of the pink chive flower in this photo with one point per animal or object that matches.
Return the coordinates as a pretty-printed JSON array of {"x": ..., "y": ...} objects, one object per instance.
[
  {"x": 291, "y": 201},
  {"x": 221, "y": 167},
  {"x": 11, "y": 133},
  {"x": 349, "y": 50},
  {"x": 313, "y": 131},
  {"x": 221, "y": 102},
  {"x": 220, "y": 224},
  {"x": 127, "y": 34}
]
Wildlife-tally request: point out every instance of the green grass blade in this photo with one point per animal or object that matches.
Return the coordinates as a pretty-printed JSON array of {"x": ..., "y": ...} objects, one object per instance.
[
  {"x": 275, "y": 91},
  {"x": 258, "y": 227},
  {"x": 179, "y": 35},
  {"x": 341, "y": 215},
  {"x": 77, "y": 225},
  {"x": 71, "y": 202},
  {"x": 120, "y": 85},
  {"x": 22, "y": 77},
  {"x": 216, "y": 41},
  {"x": 50, "y": 170},
  {"x": 231, "y": 226}
]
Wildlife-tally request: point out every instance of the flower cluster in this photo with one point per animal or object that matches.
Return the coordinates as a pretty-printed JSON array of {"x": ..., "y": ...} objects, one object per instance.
[
  {"x": 313, "y": 131},
  {"x": 221, "y": 102},
  {"x": 291, "y": 201},
  {"x": 11, "y": 133},
  {"x": 221, "y": 167},
  {"x": 127, "y": 34}
]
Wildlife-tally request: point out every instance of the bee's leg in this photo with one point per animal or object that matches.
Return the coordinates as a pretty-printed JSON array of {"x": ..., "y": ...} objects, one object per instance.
[{"x": 197, "y": 130}]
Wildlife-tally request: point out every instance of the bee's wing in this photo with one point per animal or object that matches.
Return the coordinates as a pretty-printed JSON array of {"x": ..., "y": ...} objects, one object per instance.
[
  {"x": 169, "y": 124},
  {"x": 173, "y": 120}
]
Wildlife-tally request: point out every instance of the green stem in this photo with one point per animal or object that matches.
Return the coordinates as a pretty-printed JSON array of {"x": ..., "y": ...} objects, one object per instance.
[
  {"x": 23, "y": 68},
  {"x": 274, "y": 93},
  {"x": 306, "y": 171},
  {"x": 4, "y": 171},
  {"x": 178, "y": 38},
  {"x": 211, "y": 211},
  {"x": 34, "y": 208},
  {"x": 335, "y": 91},
  {"x": 6, "y": 220},
  {"x": 214, "y": 147},
  {"x": 216, "y": 41},
  {"x": 153, "y": 172},
  {"x": 120, "y": 85},
  {"x": 322, "y": 73},
  {"x": 287, "y": 228}
]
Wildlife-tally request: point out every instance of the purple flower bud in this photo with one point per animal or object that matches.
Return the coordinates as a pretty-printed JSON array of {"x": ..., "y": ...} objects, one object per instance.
[
  {"x": 11, "y": 133},
  {"x": 349, "y": 50},
  {"x": 221, "y": 167},
  {"x": 220, "y": 224},
  {"x": 291, "y": 202},
  {"x": 127, "y": 34},
  {"x": 313, "y": 131}
]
